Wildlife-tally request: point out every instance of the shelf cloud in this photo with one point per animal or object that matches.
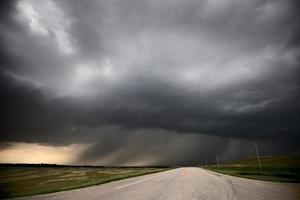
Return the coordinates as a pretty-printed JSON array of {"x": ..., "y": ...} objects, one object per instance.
[{"x": 150, "y": 82}]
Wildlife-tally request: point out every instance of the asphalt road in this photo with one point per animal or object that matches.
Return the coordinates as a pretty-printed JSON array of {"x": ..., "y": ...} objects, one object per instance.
[{"x": 182, "y": 183}]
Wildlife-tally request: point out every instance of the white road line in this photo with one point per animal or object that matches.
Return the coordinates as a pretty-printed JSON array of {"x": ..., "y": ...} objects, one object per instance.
[{"x": 146, "y": 179}]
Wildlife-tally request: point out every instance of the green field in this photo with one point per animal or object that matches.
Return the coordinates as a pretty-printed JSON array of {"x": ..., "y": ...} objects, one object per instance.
[
  {"x": 274, "y": 168},
  {"x": 24, "y": 181}
]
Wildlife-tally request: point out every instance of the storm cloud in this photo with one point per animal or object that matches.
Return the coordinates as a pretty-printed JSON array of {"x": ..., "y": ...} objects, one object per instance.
[{"x": 151, "y": 82}]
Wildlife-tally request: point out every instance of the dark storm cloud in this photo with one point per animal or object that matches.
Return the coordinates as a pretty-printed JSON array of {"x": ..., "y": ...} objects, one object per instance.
[{"x": 73, "y": 71}]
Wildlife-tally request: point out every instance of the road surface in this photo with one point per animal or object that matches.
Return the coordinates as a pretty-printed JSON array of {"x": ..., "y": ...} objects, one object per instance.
[{"x": 181, "y": 184}]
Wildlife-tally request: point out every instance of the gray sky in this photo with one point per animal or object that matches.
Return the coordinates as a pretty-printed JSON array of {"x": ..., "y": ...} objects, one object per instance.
[{"x": 130, "y": 82}]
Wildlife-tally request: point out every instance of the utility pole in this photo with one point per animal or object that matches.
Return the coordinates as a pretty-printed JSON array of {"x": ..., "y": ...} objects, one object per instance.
[
  {"x": 257, "y": 155},
  {"x": 217, "y": 159}
]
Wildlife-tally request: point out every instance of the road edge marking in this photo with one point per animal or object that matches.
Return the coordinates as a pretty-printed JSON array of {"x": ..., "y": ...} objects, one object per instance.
[{"x": 149, "y": 178}]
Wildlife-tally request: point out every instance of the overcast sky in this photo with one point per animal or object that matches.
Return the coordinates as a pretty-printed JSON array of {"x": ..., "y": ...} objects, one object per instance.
[{"x": 148, "y": 82}]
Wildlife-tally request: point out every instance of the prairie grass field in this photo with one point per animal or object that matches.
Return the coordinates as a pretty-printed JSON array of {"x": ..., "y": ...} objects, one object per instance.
[
  {"x": 18, "y": 181},
  {"x": 274, "y": 168}
]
